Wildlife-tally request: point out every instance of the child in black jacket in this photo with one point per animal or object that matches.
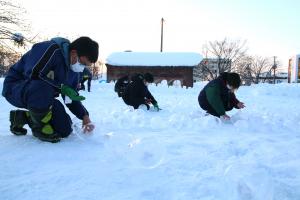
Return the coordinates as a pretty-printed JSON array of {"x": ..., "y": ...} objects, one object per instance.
[{"x": 136, "y": 92}]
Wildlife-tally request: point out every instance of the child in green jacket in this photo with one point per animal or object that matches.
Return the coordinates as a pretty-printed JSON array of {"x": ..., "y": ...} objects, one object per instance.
[{"x": 218, "y": 96}]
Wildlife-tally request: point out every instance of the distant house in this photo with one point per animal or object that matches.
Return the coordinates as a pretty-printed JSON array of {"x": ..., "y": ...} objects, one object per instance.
[
  {"x": 268, "y": 77},
  {"x": 169, "y": 66},
  {"x": 282, "y": 77}
]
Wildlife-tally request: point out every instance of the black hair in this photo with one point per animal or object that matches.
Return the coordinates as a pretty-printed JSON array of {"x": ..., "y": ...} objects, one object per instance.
[
  {"x": 148, "y": 78},
  {"x": 85, "y": 46},
  {"x": 233, "y": 79}
]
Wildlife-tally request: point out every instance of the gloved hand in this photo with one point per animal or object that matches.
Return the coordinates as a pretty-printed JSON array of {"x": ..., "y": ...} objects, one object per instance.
[
  {"x": 156, "y": 107},
  {"x": 71, "y": 93}
]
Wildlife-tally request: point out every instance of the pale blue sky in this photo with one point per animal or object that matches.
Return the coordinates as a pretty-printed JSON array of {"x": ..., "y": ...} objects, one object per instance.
[{"x": 270, "y": 27}]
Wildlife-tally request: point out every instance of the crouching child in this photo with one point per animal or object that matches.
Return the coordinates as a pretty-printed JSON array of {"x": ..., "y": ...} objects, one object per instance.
[
  {"x": 49, "y": 69},
  {"x": 218, "y": 96},
  {"x": 135, "y": 92}
]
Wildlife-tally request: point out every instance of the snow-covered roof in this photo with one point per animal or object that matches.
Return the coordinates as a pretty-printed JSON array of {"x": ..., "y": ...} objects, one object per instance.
[{"x": 173, "y": 59}]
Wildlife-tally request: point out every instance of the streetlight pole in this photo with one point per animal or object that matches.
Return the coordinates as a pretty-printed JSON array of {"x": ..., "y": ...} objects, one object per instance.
[{"x": 161, "y": 34}]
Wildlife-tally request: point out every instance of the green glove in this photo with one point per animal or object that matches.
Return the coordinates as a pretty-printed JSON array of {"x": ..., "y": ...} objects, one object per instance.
[
  {"x": 70, "y": 92},
  {"x": 156, "y": 106}
]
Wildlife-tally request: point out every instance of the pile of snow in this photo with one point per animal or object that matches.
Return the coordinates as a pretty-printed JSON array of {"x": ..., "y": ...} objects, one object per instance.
[{"x": 177, "y": 153}]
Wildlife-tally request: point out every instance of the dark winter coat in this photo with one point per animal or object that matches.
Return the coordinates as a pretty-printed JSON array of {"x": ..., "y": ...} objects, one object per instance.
[
  {"x": 46, "y": 65},
  {"x": 86, "y": 75},
  {"x": 121, "y": 85},
  {"x": 137, "y": 93},
  {"x": 216, "y": 98}
]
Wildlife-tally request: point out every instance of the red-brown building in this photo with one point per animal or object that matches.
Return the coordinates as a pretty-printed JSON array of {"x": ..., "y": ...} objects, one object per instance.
[{"x": 169, "y": 66}]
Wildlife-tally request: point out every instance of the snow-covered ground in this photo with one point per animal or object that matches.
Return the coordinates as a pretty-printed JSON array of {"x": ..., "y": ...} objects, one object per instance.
[{"x": 175, "y": 154}]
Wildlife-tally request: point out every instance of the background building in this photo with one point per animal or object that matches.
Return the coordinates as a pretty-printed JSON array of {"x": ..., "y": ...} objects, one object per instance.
[
  {"x": 209, "y": 68},
  {"x": 294, "y": 69},
  {"x": 169, "y": 66}
]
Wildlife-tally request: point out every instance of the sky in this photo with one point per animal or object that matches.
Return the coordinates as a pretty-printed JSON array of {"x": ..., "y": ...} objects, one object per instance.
[{"x": 270, "y": 27}]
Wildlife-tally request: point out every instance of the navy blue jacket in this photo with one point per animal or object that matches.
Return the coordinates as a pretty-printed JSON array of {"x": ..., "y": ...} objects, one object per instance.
[{"x": 54, "y": 69}]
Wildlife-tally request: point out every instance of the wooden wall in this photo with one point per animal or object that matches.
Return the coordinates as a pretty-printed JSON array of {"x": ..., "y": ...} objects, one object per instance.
[{"x": 171, "y": 74}]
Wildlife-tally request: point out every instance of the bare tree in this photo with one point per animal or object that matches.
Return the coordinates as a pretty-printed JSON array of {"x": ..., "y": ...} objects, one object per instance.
[
  {"x": 203, "y": 71},
  {"x": 271, "y": 69},
  {"x": 12, "y": 25},
  {"x": 243, "y": 68},
  {"x": 227, "y": 52},
  {"x": 7, "y": 58},
  {"x": 258, "y": 66},
  {"x": 251, "y": 69}
]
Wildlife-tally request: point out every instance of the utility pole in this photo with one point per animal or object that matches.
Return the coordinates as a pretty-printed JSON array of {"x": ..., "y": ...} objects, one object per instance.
[
  {"x": 162, "y": 34},
  {"x": 274, "y": 68}
]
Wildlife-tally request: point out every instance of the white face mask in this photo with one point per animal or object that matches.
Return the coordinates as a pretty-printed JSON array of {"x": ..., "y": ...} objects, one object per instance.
[
  {"x": 146, "y": 83},
  {"x": 229, "y": 87},
  {"x": 77, "y": 67}
]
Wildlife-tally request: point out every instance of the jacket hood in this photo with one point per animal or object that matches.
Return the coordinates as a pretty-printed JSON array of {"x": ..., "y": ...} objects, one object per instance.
[{"x": 64, "y": 46}]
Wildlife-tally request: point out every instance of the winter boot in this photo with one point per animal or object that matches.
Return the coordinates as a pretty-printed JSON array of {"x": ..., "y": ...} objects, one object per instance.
[
  {"x": 41, "y": 127},
  {"x": 18, "y": 118}
]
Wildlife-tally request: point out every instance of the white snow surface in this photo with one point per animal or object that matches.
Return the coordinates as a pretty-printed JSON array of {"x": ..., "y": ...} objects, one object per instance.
[
  {"x": 170, "y": 59},
  {"x": 177, "y": 153}
]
